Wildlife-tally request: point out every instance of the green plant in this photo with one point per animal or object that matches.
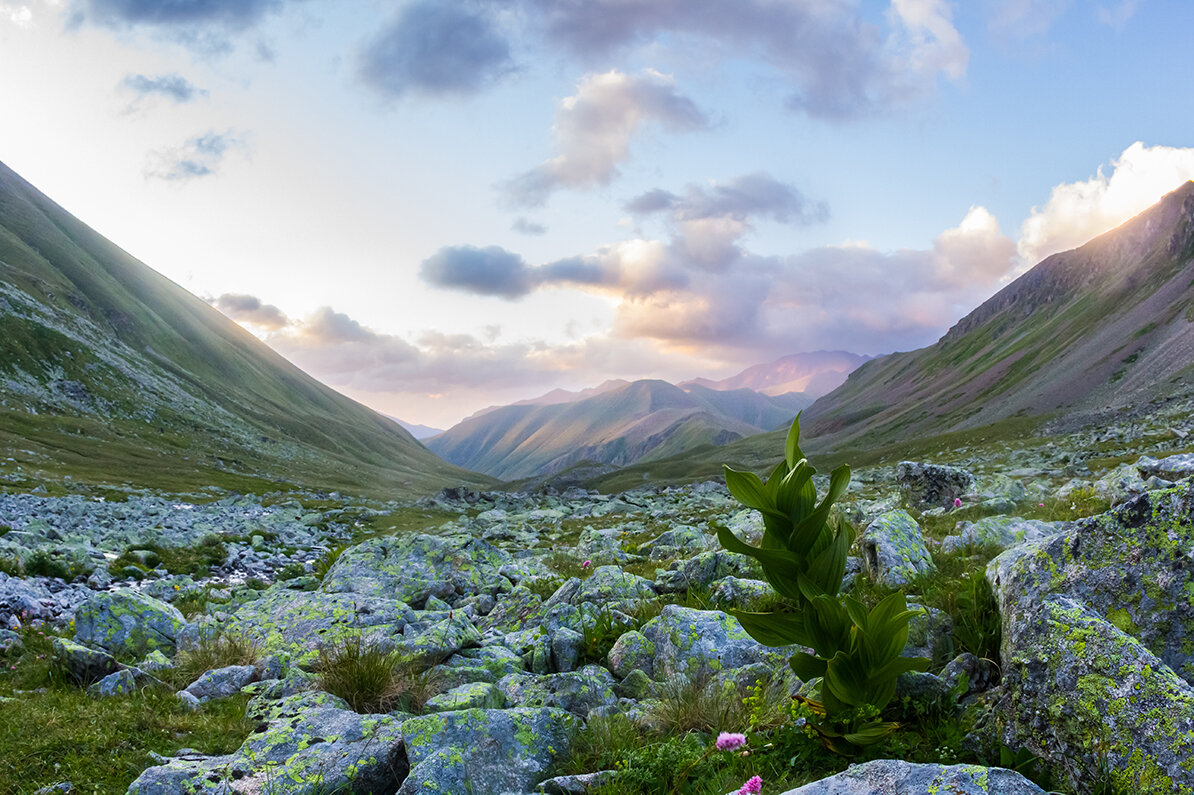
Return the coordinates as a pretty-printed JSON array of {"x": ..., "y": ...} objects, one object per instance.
[
  {"x": 601, "y": 632},
  {"x": 372, "y": 678},
  {"x": 10, "y": 565},
  {"x": 698, "y": 702},
  {"x": 42, "y": 564},
  {"x": 214, "y": 650},
  {"x": 803, "y": 555},
  {"x": 325, "y": 563}
]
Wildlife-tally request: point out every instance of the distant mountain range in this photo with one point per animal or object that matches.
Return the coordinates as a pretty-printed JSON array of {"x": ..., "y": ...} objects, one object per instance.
[
  {"x": 1087, "y": 337},
  {"x": 638, "y": 421},
  {"x": 416, "y": 430},
  {"x": 111, "y": 373},
  {"x": 813, "y": 374}
]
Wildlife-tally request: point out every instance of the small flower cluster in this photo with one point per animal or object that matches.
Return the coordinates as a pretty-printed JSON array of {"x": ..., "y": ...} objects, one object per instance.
[{"x": 730, "y": 741}]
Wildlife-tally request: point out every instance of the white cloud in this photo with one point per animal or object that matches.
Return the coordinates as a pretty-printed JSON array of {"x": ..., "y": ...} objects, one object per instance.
[
  {"x": 594, "y": 128},
  {"x": 1079, "y": 211}
]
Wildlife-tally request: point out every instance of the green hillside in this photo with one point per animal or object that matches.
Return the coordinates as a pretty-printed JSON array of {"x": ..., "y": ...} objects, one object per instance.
[{"x": 111, "y": 373}]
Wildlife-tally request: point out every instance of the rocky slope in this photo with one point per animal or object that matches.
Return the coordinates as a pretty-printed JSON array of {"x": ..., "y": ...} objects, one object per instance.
[
  {"x": 109, "y": 372},
  {"x": 640, "y": 421},
  {"x": 1085, "y": 335}
]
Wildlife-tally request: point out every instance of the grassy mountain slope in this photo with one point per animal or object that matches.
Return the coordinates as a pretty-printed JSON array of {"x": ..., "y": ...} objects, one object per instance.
[
  {"x": 1105, "y": 330},
  {"x": 640, "y": 421},
  {"x": 111, "y": 372}
]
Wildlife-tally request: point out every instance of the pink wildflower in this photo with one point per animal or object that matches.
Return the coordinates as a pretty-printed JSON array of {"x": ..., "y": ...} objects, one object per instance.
[
  {"x": 586, "y": 564},
  {"x": 752, "y": 787},
  {"x": 728, "y": 741},
  {"x": 957, "y": 502}
]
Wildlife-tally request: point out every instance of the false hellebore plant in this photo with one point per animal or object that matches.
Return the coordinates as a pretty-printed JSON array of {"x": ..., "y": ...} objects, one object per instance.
[{"x": 856, "y": 652}]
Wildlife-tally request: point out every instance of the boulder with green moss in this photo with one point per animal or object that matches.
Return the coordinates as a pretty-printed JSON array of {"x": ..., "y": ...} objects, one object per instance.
[
  {"x": 1000, "y": 532},
  {"x": 578, "y": 692},
  {"x": 689, "y": 642},
  {"x": 895, "y": 777},
  {"x": 127, "y": 624},
  {"x": 1098, "y": 645},
  {"x": 482, "y": 751},
  {"x": 893, "y": 550},
  {"x": 412, "y": 567}
]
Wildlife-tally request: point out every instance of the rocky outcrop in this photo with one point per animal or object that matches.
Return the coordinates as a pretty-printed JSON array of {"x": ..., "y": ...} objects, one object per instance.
[
  {"x": 932, "y": 485},
  {"x": 892, "y": 777},
  {"x": 894, "y": 551}
]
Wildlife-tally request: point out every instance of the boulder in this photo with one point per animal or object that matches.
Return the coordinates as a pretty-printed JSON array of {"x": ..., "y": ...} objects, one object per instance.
[
  {"x": 1172, "y": 468},
  {"x": 481, "y": 751},
  {"x": 475, "y": 695},
  {"x": 578, "y": 692},
  {"x": 701, "y": 571},
  {"x": 893, "y": 550},
  {"x": 932, "y": 485},
  {"x": 893, "y": 777},
  {"x": 689, "y": 642},
  {"x": 221, "y": 682},
  {"x": 999, "y": 532},
  {"x": 412, "y": 567},
  {"x": 630, "y": 651},
  {"x": 120, "y": 683},
  {"x": 438, "y": 642},
  {"x": 84, "y": 665},
  {"x": 128, "y": 624},
  {"x": 609, "y": 585}
]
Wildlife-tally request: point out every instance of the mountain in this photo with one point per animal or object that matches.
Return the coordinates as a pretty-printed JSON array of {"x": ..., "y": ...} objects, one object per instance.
[
  {"x": 815, "y": 374},
  {"x": 111, "y": 373},
  {"x": 416, "y": 430},
  {"x": 1103, "y": 329},
  {"x": 640, "y": 421},
  {"x": 557, "y": 396}
]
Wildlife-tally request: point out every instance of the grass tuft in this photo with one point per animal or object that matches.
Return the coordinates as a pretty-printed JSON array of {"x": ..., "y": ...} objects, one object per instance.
[
  {"x": 371, "y": 678},
  {"x": 212, "y": 652}
]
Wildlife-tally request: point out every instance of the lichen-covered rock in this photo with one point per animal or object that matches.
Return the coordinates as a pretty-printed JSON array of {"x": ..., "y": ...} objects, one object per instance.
[
  {"x": 740, "y": 594},
  {"x": 486, "y": 664},
  {"x": 297, "y": 623},
  {"x": 689, "y": 641},
  {"x": 120, "y": 683},
  {"x": 630, "y": 651},
  {"x": 83, "y": 664},
  {"x": 577, "y": 785},
  {"x": 438, "y": 642},
  {"x": 932, "y": 485},
  {"x": 1173, "y": 468},
  {"x": 476, "y": 695},
  {"x": 684, "y": 540},
  {"x": 478, "y": 752},
  {"x": 221, "y": 682},
  {"x": 930, "y": 633},
  {"x": 412, "y": 567},
  {"x": 127, "y": 624},
  {"x": 893, "y": 777},
  {"x": 1081, "y": 693},
  {"x": 566, "y": 645},
  {"x": 893, "y": 550},
  {"x": 309, "y": 743},
  {"x": 999, "y": 532},
  {"x": 1133, "y": 566},
  {"x": 11, "y": 644},
  {"x": 609, "y": 585},
  {"x": 603, "y": 547},
  {"x": 701, "y": 571},
  {"x": 576, "y": 691}
]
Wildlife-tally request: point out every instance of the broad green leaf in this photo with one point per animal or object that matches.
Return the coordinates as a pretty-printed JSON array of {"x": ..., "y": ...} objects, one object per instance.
[
  {"x": 747, "y": 488},
  {"x": 788, "y": 496},
  {"x": 846, "y": 681},
  {"x": 806, "y": 666},
  {"x": 792, "y": 452},
  {"x": 773, "y": 629},
  {"x": 871, "y": 733},
  {"x": 804, "y": 533},
  {"x": 901, "y": 665}
]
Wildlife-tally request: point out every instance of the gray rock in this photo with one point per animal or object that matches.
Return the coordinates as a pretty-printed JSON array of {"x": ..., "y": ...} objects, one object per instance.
[
  {"x": 704, "y": 569},
  {"x": 479, "y": 752},
  {"x": 577, "y": 785},
  {"x": 127, "y": 623},
  {"x": 630, "y": 651},
  {"x": 740, "y": 594},
  {"x": 893, "y": 550},
  {"x": 610, "y": 586},
  {"x": 1000, "y": 532},
  {"x": 1173, "y": 468},
  {"x": 120, "y": 683},
  {"x": 476, "y": 695},
  {"x": 689, "y": 642},
  {"x": 84, "y": 665},
  {"x": 967, "y": 674},
  {"x": 892, "y": 777},
  {"x": 930, "y": 633},
  {"x": 932, "y": 485},
  {"x": 679, "y": 541},
  {"x": 439, "y": 642},
  {"x": 221, "y": 682},
  {"x": 412, "y": 567},
  {"x": 566, "y": 648},
  {"x": 578, "y": 692}
]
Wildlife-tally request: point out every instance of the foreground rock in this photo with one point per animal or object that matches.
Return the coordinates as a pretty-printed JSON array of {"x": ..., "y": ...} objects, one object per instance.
[
  {"x": 893, "y": 550},
  {"x": 891, "y": 777},
  {"x": 932, "y": 485},
  {"x": 1097, "y": 652},
  {"x": 128, "y": 624}
]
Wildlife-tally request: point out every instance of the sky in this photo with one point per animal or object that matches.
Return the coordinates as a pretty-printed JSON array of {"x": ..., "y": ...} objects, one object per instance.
[{"x": 436, "y": 206}]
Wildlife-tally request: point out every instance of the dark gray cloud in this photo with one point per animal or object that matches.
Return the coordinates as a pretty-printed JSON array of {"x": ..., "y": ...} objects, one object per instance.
[
  {"x": 175, "y": 13},
  {"x": 249, "y": 309},
  {"x": 483, "y": 271},
  {"x": 757, "y": 195},
  {"x": 200, "y": 156},
  {"x": 173, "y": 87},
  {"x": 594, "y": 128},
  {"x": 528, "y": 227},
  {"x": 838, "y": 64},
  {"x": 433, "y": 47}
]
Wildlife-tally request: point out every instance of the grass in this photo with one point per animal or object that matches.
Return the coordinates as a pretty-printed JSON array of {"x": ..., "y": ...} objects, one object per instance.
[
  {"x": 195, "y": 560},
  {"x": 371, "y": 678},
  {"x": 698, "y": 702},
  {"x": 212, "y": 652}
]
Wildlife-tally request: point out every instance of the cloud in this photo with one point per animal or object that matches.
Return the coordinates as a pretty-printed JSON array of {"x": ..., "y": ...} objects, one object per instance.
[
  {"x": 435, "y": 48},
  {"x": 526, "y": 226},
  {"x": 838, "y": 64},
  {"x": 175, "y": 13},
  {"x": 200, "y": 156},
  {"x": 594, "y": 128},
  {"x": 249, "y": 309},
  {"x": 1118, "y": 14},
  {"x": 1078, "y": 211},
  {"x": 483, "y": 271},
  {"x": 1023, "y": 19},
  {"x": 173, "y": 87}
]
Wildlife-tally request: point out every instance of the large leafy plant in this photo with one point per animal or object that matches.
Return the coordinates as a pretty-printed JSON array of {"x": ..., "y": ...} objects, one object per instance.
[{"x": 855, "y": 652}]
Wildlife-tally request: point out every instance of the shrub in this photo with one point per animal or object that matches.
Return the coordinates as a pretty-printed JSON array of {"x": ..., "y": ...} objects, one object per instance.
[
  {"x": 372, "y": 678},
  {"x": 698, "y": 702},
  {"x": 43, "y": 564},
  {"x": 803, "y": 555},
  {"x": 325, "y": 563}
]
